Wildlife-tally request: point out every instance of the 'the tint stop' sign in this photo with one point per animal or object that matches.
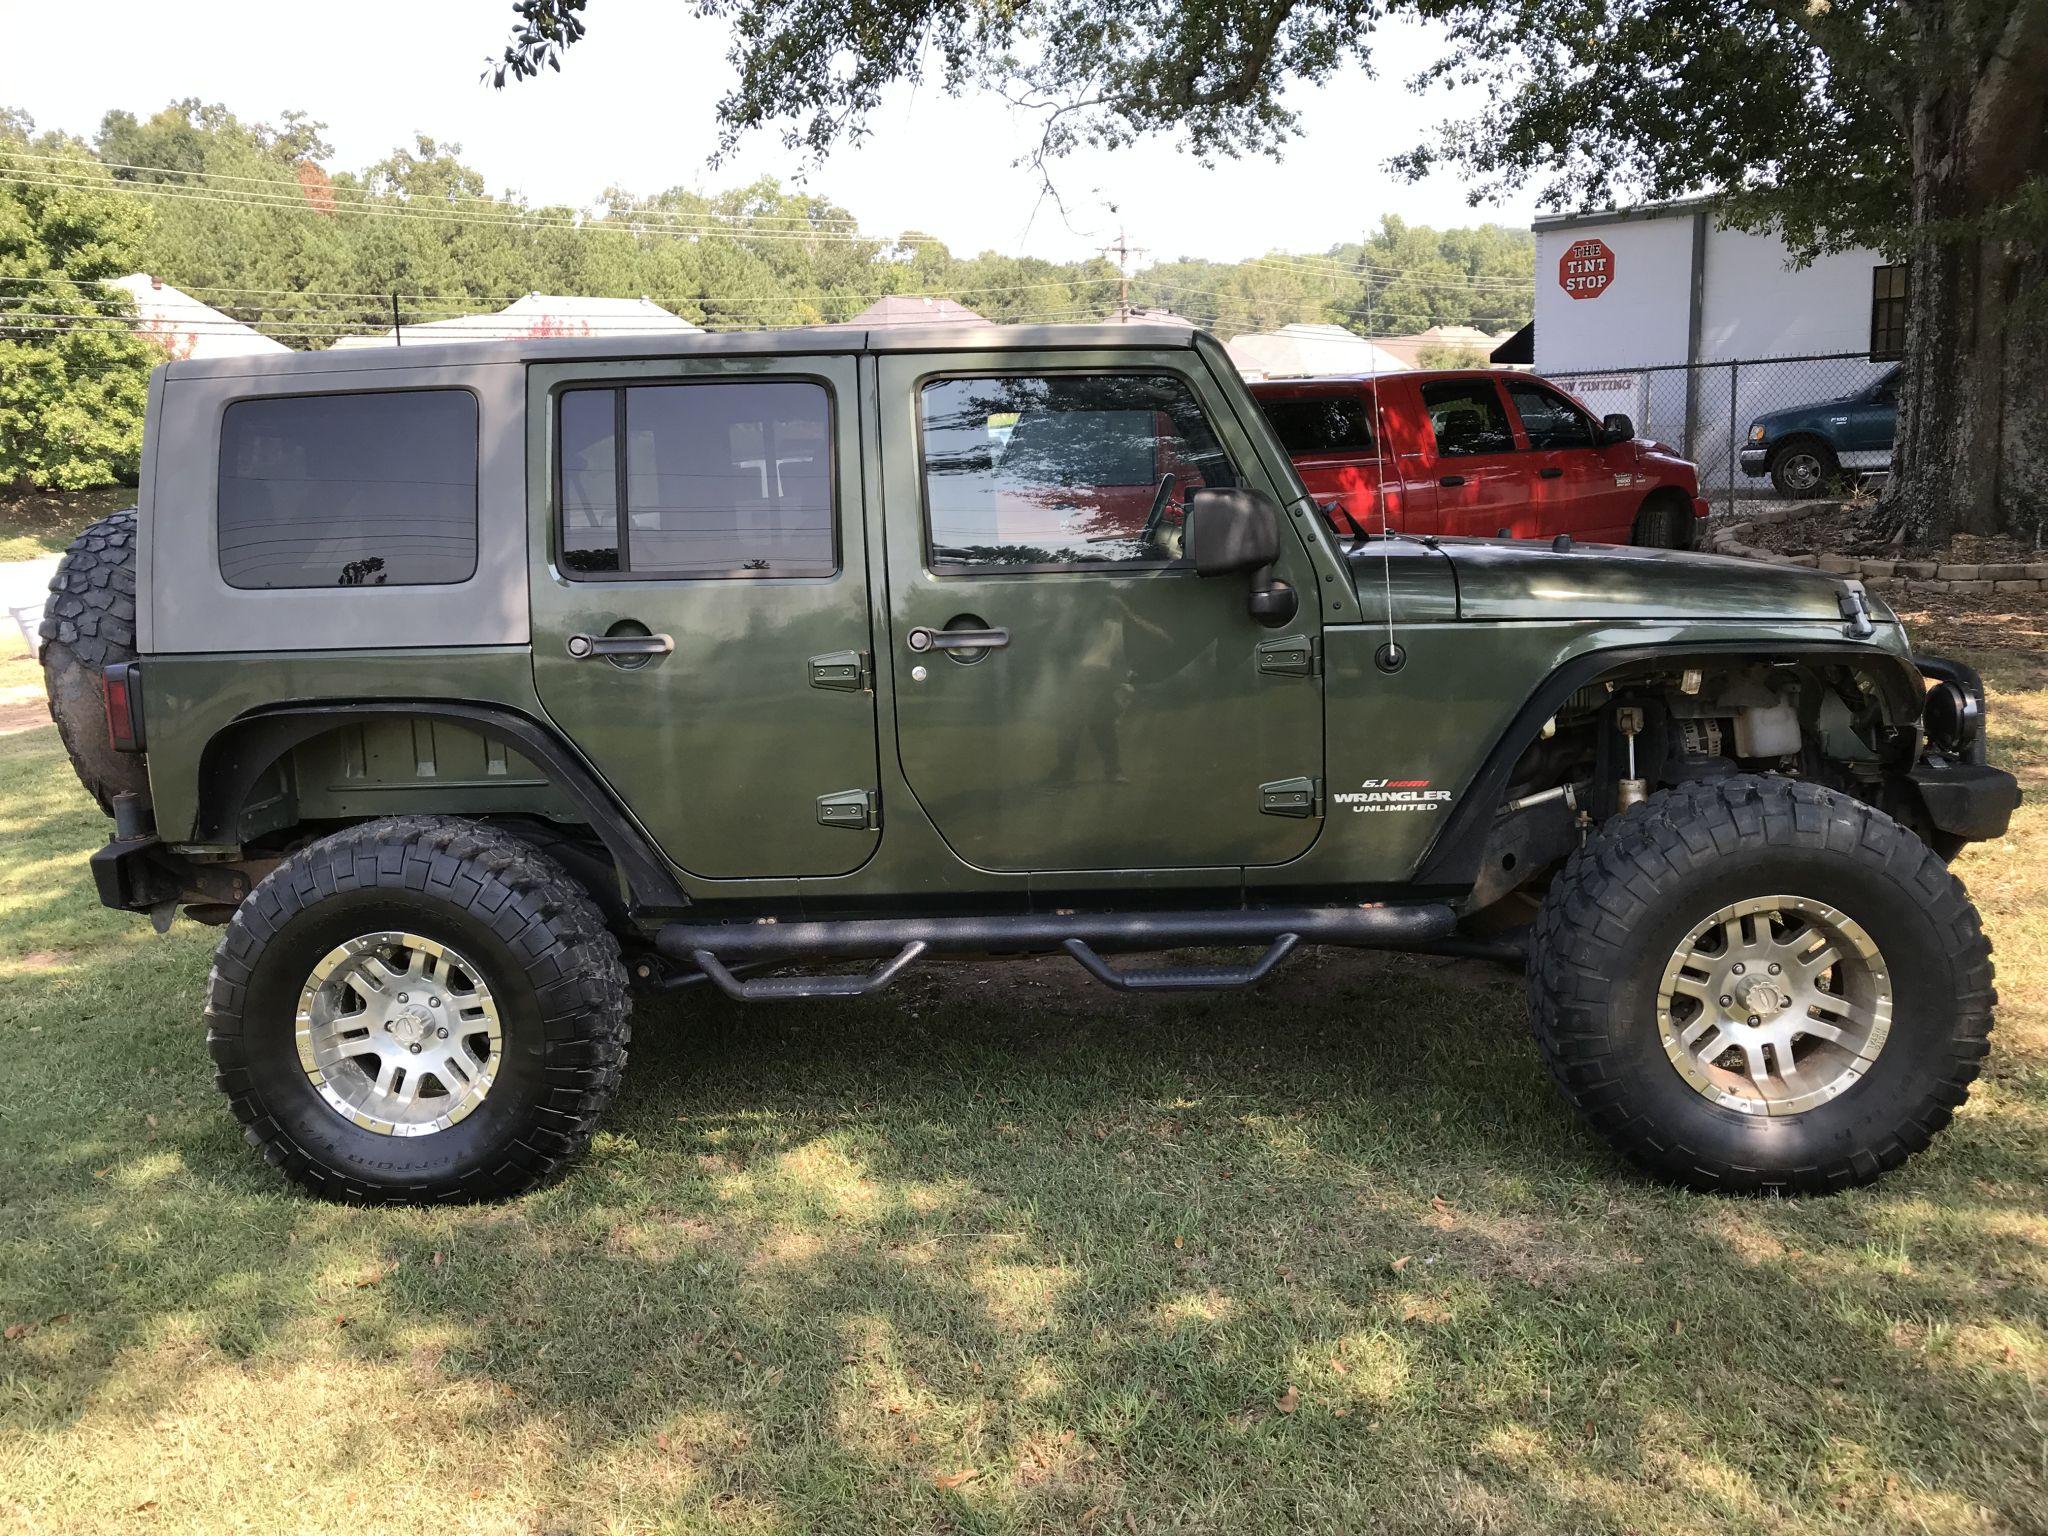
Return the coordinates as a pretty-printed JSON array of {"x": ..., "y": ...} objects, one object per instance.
[{"x": 1585, "y": 269}]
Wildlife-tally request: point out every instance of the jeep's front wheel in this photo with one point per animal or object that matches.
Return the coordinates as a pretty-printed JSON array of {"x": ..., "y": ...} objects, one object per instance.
[
  {"x": 415, "y": 1010},
  {"x": 1761, "y": 984}
]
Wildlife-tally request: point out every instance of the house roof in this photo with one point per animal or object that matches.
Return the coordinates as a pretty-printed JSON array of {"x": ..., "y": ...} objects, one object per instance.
[
  {"x": 184, "y": 327},
  {"x": 538, "y": 316},
  {"x": 1303, "y": 350}
]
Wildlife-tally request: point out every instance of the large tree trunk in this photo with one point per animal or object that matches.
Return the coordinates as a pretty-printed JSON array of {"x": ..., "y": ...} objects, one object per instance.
[{"x": 1972, "y": 448}]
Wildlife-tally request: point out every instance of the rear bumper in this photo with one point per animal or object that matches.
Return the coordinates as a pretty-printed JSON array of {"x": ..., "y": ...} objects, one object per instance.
[{"x": 140, "y": 874}]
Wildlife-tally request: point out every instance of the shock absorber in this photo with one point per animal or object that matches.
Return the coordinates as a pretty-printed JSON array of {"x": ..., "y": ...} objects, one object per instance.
[{"x": 1628, "y": 719}]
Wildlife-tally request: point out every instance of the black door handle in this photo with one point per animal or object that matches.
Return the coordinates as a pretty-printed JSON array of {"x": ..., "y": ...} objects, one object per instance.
[
  {"x": 1452, "y": 480},
  {"x": 583, "y": 647},
  {"x": 922, "y": 639},
  {"x": 1550, "y": 473}
]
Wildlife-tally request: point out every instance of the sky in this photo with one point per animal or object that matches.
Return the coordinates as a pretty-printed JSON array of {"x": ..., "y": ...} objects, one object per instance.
[{"x": 633, "y": 108}]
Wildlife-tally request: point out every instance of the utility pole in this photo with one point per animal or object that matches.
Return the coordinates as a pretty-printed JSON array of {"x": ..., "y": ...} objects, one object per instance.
[{"x": 1124, "y": 251}]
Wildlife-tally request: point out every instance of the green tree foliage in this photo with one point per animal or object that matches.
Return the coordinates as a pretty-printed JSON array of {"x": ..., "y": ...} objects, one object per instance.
[
  {"x": 73, "y": 379},
  {"x": 251, "y": 218}
]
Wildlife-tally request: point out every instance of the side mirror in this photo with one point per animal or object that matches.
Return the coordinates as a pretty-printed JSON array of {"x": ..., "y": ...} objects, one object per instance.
[
  {"x": 1234, "y": 530},
  {"x": 1617, "y": 428}
]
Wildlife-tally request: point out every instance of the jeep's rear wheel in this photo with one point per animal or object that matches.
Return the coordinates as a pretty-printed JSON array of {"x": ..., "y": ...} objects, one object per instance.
[
  {"x": 89, "y": 622},
  {"x": 1758, "y": 983},
  {"x": 418, "y": 1009}
]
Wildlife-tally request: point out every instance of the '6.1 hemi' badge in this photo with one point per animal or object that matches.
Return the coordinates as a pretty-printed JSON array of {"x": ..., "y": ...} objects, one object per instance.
[{"x": 1394, "y": 795}]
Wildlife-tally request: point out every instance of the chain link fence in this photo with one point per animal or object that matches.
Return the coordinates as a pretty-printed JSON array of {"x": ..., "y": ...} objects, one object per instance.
[{"x": 1705, "y": 410}]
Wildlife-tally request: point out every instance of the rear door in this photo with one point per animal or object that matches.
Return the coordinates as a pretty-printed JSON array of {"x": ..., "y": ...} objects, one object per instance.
[
  {"x": 1481, "y": 474},
  {"x": 1118, "y": 712},
  {"x": 714, "y": 504}
]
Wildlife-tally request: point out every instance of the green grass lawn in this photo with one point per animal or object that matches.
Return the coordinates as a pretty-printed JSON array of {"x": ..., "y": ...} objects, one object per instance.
[
  {"x": 42, "y": 522},
  {"x": 995, "y": 1252}
]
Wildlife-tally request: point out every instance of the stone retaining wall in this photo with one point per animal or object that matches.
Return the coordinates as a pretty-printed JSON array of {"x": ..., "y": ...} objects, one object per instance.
[{"x": 1901, "y": 576}]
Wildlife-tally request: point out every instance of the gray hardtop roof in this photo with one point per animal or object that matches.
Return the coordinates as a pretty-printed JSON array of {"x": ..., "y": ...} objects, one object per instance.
[{"x": 805, "y": 342}]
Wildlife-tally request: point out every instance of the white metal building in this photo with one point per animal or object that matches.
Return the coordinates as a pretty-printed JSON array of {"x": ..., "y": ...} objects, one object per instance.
[{"x": 1627, "y": 299}]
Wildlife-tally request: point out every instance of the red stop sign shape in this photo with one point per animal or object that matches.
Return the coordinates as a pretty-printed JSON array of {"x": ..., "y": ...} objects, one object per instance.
[{"x": 1585, "y": 269}]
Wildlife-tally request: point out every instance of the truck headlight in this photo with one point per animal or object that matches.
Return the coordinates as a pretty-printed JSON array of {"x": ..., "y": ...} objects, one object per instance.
[{"x": 1756, "y": 432}]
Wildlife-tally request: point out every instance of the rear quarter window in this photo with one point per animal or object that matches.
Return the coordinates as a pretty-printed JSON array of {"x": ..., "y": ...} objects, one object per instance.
[
  {"x": 1308, "y": 424},
  {"x": 375, "y": 489}
]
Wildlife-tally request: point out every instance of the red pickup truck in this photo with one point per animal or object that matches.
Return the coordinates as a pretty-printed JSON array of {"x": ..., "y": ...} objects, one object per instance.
[{"x": 1482, "y": 452}]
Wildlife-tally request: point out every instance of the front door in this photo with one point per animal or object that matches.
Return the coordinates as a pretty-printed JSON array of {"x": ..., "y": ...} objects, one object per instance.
[
  {"x": 700, "y": 603},
  {"x": 1118, "y": 711},
  {"x": 1580, "y": 484}
]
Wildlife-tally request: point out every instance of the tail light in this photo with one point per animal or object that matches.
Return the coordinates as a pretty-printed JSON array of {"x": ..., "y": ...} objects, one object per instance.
[{"x": 124, "y": 705}]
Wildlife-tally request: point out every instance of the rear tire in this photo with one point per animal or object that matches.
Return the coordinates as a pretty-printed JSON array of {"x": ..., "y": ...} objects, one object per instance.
[
  {"x": 1605, "y": 976},
  {"x": 1666, "y": 522},
  {"x": 479, "y": 930},
  {"x": 88, "y": 623},
  {"x": 1804, "y": 468}
]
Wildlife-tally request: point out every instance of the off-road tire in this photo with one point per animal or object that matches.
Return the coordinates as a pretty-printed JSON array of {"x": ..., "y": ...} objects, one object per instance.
[
  {"x": 531, "y": 929},
  {"x": 1623, "y": 902},
  {"x": 88, "y": 622},
  {"x": 1666, "y": 522},
  {"x": 1782, "y": 477}
]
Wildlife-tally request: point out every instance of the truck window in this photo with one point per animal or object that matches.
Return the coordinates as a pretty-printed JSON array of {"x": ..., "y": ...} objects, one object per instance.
[
  {"x": 1063, "y": 470},
  {"x": 724, "y": 479},
  {"x": 1467, "y": 417},
  {"x": 368, "y": 489},
  {"x": 1550, "y": 420},
  {"x": 1321, "y": 423}
]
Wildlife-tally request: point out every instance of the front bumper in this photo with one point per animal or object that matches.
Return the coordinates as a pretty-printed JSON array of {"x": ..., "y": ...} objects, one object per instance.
[
  {"x": 1964, "y": 795},
  {"x": 1754, "y": 461},
  {"x": 1966, "y": 800}
]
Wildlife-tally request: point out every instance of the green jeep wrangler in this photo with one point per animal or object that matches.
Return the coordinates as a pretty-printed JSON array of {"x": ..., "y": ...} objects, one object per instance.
[{"x": 471, "y": 686}]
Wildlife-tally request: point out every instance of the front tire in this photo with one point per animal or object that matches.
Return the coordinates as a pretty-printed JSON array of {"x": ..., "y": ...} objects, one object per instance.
[
  {"x": 416, "y": 1010},
  {"x": 1804, "y": 469},
  {"x": 1840, "y": 1049}
]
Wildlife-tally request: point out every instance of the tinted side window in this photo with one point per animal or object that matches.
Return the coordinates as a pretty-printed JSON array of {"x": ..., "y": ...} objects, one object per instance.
[
  {"x": 1550, "y": 420},
  {"x": 720, "y": 480},
  {"x": 1467, "y": 418},
  {"x": 1321, "y": 423},
  {"x": 1063, "y": 470},
  {"x": 373, "y": 490}
]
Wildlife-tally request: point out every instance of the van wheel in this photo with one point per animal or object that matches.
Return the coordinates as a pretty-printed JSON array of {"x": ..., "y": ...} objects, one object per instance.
[
  {"x": 89, "y": 622},
  {"x": 414, "y": 1010},
  {"x": 1760, "y": 984},
  {"x": 1664, "y": 523},
  {"x": 1803, "y": 468}
]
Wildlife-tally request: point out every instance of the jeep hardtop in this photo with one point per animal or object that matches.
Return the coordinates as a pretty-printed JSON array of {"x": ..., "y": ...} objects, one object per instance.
[{"x": 472, "y": 686}]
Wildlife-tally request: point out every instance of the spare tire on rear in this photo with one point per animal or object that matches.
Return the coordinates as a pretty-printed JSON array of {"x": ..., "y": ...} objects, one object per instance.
[{"x": 88, "y": 622}]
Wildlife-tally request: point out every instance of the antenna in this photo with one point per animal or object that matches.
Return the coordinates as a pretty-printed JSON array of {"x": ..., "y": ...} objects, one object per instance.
[{"x": 1390, "y": 657}]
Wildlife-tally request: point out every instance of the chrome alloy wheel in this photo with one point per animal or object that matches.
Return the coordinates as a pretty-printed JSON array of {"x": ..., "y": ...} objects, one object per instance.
[
  {"x": 398, "y": 1033},
  {"x": 1775, "y": 1005}
]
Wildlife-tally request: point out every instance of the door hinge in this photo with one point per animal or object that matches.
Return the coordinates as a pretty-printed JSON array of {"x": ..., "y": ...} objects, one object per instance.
[
  {"x": 1288, "y": 656},
  {"x": 858, "y": 810},
  {"x": 1300, "y": 798},
  {"x": 843, "y": 671}
]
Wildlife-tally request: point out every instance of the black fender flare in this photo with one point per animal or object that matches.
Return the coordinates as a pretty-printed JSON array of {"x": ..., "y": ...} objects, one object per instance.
[
  {"x": 1453, "y": 858},
  {"x": 247, "y": 747}
]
